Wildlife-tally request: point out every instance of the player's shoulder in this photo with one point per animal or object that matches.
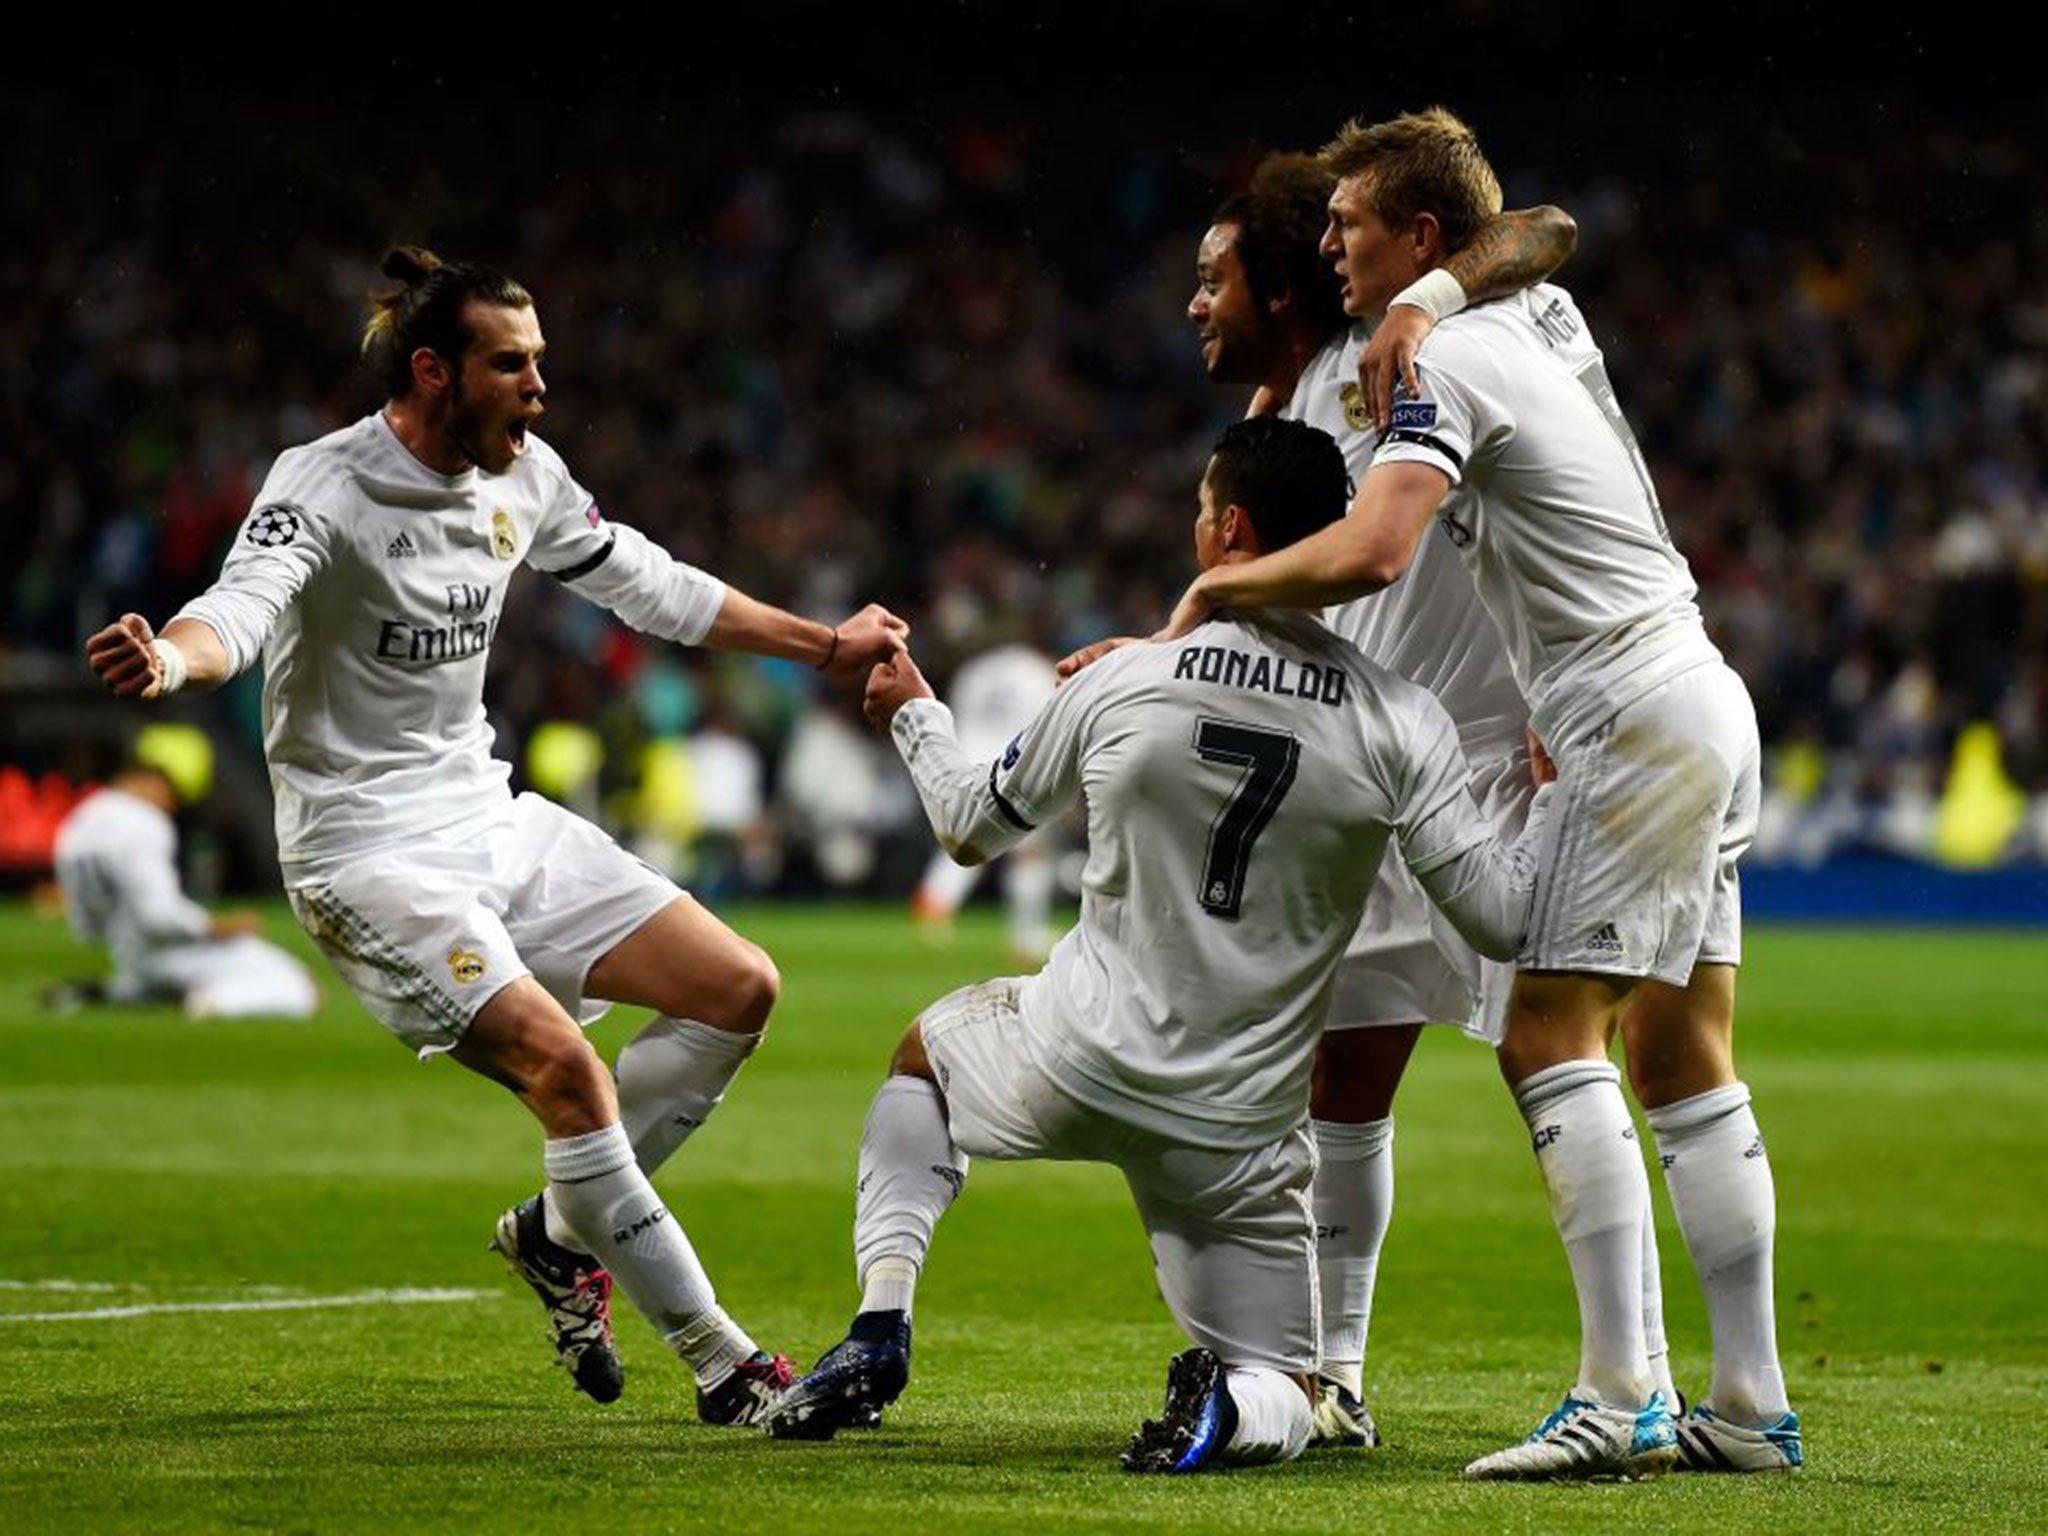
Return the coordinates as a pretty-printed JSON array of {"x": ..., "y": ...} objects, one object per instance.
[
  {"x": 110, "y": 817},
  {"x": 544, "y": 458},
  {"x": 311, "y": 479},
  {"x": 1339, "y": 351},
  {"x": 1327, "y": 393},
  {"x": 1378, "y": 691},
  {"x": 543, "y": 466},
  {"x": 1543, "y": 317}
]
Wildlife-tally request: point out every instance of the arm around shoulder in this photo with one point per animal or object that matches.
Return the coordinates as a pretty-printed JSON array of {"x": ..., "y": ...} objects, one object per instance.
[{"x": 1359, "y": 554}]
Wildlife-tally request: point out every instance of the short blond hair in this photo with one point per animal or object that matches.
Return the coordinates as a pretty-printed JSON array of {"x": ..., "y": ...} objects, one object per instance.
[{"x": 1419, "y": 162}]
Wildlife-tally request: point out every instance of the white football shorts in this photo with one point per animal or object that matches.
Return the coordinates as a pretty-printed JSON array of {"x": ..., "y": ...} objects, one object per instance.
[
  {"x": 427, "y": 933},
  {"x": 1656, "y": 807},
  {"x": 1233, "y": 1237},
  {"x": 1407, "y": 964}
]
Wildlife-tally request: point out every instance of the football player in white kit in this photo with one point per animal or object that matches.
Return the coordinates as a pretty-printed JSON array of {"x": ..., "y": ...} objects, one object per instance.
[
  {"x": 1269, "y": 314},
  {"x": 370, "y": 578},
  {"x": 994, "y": 692},
  {"x": 117, "y": 870},
  {"x": 1242, "y": 787},
  {"x": 1515, "y": 446}
]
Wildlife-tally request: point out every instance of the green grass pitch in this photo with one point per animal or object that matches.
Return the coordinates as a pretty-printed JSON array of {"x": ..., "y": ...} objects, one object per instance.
[{"x": 146, "y": 1163}]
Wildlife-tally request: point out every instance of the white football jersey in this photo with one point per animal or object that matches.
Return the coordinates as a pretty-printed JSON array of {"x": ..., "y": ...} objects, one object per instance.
[
  {"x": 372, "y": 587},
  {"x": 1552, "y": 507},
  {"x": 1242, "y": 783},
  {"x": 1430, "y": 626},
  {"x": 995, "y": 692},
  {"x": 117, "y": 867}
]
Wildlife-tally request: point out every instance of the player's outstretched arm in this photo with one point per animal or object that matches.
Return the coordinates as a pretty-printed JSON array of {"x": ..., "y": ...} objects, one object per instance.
[
  {"x": 136, "y": 663},
  {"x": 977, "y": 809},
  {"x": 1510, "y": 252},
  {"x": 845, "y": 653}
]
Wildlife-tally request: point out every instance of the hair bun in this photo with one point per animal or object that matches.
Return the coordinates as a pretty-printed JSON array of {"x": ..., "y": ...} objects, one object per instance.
[{"x": 410, "y": 264}]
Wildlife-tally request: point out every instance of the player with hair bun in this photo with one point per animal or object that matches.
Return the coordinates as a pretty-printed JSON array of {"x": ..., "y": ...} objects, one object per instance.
[{"x": 369, "y": 578}]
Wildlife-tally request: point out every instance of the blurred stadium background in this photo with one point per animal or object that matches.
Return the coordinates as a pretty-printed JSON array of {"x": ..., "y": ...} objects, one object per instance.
[{"x": 891, "y": 306}]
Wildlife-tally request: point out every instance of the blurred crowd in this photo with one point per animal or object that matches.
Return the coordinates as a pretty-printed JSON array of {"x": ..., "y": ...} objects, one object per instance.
[{"x": 943, "y": 362}]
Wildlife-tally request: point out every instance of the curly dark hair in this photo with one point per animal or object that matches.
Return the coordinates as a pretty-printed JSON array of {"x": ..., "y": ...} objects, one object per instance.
[{"x": 1280, "y": 219}]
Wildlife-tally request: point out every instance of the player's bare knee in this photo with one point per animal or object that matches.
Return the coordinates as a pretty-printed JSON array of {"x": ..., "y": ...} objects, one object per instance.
[
  {"x": 569, "y": 1089},
  {"x": 1530, "y": 1046},
  {"x": 758, "y": 989},
  {"x": 736, "y": 994}
]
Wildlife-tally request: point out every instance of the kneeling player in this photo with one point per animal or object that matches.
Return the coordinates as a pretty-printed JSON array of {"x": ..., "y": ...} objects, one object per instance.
[{"x": 1242, "y": 786}]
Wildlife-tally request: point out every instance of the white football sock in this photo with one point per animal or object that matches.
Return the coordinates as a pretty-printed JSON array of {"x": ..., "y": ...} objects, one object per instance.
[
  {"x": 1721, "y": 1188},
  {"x": 1273, "y": 1416},
  {"x": 910, "y": 1171},
  {"x": 1354, "y": 1201},
  {"x": 889, "y": 1284},
  {"x": 1600, "y": 1197},
  {"x": 1655, "y": 1344},
  {"x": 671, "y": 1076},
  {"x": 615, "y": 1214}
]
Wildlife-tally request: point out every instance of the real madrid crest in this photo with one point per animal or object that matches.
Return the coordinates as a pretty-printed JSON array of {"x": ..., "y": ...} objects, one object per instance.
[
  {"x": 1356, "y": 416},
  {"x": 504, "y": 537},
  {"x": 466, "y": 965}
]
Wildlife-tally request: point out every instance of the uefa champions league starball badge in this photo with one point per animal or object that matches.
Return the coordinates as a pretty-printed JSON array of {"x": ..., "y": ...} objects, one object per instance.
[{"x": 273, "y": 527}]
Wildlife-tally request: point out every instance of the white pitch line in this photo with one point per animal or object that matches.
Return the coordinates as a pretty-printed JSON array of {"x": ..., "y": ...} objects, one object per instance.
[
  {"x": 63, "y": 1285},
  {"x": 398, "y": 1298}
]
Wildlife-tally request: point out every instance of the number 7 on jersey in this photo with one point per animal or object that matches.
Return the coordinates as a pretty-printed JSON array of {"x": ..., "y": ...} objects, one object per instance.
[{"x": 1268, "y": 759}]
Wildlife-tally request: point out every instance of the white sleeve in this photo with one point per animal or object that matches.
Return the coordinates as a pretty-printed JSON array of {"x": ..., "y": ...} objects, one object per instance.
[
  {"x": 642, "y": 583},
  {"x": 1481, "y": 884},
  {"x": 283, "y": 543},
  {"x": 978, "y": 810},
  {"x": 1440, "y": 426}
]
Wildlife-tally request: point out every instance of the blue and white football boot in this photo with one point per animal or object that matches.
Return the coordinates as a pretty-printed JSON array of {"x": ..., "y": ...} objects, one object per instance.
[
  {"x": 1585, "y": 1439},
  {"x": 851, "y": 1383},
  {"x": 1707, "y": 1443}
]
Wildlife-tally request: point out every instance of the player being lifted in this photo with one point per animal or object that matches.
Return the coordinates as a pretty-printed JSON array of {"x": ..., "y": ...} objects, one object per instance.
[
  {"x": 1242, "y": 787},
  {"x": 1512, "y": 442},
  {"x": 370, "y": 579},
  {"x": 1269, "y": 314}
]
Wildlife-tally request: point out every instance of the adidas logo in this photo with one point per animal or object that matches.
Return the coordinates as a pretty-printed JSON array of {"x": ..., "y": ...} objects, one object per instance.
[
  {"x": 1606, "y": 940},
  {"x": 401, "y": 548}
]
